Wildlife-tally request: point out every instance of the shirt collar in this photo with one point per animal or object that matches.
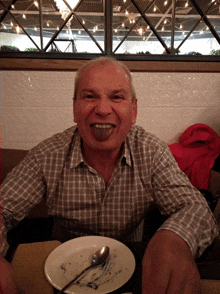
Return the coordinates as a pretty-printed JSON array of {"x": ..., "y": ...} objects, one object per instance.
[{"x": 77, "y": 157}]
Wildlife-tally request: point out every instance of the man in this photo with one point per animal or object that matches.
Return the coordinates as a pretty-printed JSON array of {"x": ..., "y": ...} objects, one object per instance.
[{"x": 101, "y": 177}]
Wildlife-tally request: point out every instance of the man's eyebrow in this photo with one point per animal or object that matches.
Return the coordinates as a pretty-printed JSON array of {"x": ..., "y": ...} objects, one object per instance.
[
  {"x": 88, "y": 90},
  {"x": 119, "y": 90},
  {"x": 113, "y": 91}
]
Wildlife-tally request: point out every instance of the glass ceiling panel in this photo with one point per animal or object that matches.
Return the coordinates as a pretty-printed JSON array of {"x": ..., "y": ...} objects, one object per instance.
[
  {"x": 192, "y": 34},
  {"x": 80, "y": 32},
  {"x": 89, "y": 27},
  {"x": 138, "y": 26},
  {"x": 20, "y": 31},
  {"x": 133, "y": 23}
]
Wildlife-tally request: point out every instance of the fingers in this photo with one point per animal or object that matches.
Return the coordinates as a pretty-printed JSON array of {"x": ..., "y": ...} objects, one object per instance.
[
  {"x": 183, "y": 284},
  {"x": 178, "y": 283},
  {"x": 169, "y": 267},
  {"x": 184, "y": 279},
  {"x": 193, "y": 286},
  {"x": 155, "y": 275}
]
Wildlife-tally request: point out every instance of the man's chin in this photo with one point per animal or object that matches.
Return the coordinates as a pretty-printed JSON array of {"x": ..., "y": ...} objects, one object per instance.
[{"x": 103, "y": 146}]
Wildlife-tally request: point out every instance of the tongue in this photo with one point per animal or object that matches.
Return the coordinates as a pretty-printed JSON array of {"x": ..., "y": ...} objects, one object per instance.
[{"x": 101, "y": 134}]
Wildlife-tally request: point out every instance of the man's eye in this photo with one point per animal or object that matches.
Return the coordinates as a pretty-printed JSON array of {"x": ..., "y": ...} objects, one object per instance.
[
  {"x": 89, "y": 96},
  {"x": 117, "y": 97}
]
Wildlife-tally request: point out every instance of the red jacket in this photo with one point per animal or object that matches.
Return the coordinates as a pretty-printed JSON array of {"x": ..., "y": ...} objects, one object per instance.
[{"x": 196, "y": 152}]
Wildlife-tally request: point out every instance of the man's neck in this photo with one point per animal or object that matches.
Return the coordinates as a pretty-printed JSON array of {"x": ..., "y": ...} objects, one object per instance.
[{"x": 103, "y": 161}]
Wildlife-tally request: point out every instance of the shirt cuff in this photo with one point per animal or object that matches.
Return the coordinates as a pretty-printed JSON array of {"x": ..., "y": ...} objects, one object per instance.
[{"x": 181, "y": 232}]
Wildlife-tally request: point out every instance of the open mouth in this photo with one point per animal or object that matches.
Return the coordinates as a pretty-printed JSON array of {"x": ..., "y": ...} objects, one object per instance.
[{"x": 102, "y": 131}]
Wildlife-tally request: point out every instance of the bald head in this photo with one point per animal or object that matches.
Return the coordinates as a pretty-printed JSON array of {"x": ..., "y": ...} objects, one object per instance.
[{"x": 98, "y": 62}]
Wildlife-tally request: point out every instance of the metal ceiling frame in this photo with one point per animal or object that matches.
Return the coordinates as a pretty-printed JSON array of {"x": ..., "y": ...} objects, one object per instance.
[
  {"x": 153, "y": 29},
  {"x": 206, "y": 20},
  {"x": 108, "y": 34},
  {"x": 7, "y": 11},
  {"x": 203, "y": 15},
  {"x": 133, "y": 26}
]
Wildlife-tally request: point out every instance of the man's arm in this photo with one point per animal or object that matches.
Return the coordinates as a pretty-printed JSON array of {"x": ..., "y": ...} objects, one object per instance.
[
  {"x": 189, "y": 215},
  {"x": 168, "y": 263},
  {"x": 22, "y": 189}
]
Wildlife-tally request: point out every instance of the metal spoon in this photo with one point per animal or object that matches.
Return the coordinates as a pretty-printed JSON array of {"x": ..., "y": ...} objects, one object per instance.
[{"x": 98, "y": 258}]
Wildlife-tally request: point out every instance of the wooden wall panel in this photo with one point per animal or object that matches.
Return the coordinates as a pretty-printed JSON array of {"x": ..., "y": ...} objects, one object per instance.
[{"x": 138, "y": 66}]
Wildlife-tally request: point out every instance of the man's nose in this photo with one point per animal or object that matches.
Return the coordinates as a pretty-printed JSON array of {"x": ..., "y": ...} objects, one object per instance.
[{"x": 103, "y": 106}]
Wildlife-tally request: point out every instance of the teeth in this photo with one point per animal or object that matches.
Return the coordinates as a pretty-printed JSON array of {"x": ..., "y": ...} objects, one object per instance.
[{"x": 102, "y": 126}]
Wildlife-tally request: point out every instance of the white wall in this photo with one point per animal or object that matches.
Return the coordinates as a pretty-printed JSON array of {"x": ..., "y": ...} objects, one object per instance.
[{"x": 37, "y": 104}]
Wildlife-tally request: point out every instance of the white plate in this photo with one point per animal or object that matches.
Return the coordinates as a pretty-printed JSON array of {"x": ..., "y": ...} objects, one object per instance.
[{"x": 71, "y": 257}]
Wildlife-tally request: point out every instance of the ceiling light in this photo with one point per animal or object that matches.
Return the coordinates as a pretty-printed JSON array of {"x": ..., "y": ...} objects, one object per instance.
[
  {"x": 116, "y": 8},
  {"x": 64, "y": 10},
  {"x": 17, "y": 29},
  {"x": 140, "y": 30}
]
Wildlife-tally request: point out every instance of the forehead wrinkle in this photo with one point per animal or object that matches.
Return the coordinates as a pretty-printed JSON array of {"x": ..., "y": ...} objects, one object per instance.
[
  {"x": 111, "y": 70},
  {"x": 118, "y": 68}
]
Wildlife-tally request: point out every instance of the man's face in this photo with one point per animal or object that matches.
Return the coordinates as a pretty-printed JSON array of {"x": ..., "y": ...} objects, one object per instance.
[{"x": 103, "y": 109}]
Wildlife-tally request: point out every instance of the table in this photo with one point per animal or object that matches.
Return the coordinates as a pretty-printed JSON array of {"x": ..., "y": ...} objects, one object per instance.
[{"x": 28, "y": 264}]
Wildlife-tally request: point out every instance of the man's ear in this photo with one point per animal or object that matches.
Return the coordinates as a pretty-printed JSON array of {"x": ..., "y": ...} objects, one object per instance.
[
  {"x": 74, "y": 110},
  {"x": 134, "y": 111}
]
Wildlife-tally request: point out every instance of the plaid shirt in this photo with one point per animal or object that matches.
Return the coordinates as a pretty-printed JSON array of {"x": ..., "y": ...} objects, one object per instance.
[{"x": 81, "y": 203}]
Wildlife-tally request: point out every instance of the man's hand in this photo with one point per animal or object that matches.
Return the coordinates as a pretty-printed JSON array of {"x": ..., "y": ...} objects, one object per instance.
[
  {"x": 169, "y": 266},
  {"x": 7, "y": 281}
]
